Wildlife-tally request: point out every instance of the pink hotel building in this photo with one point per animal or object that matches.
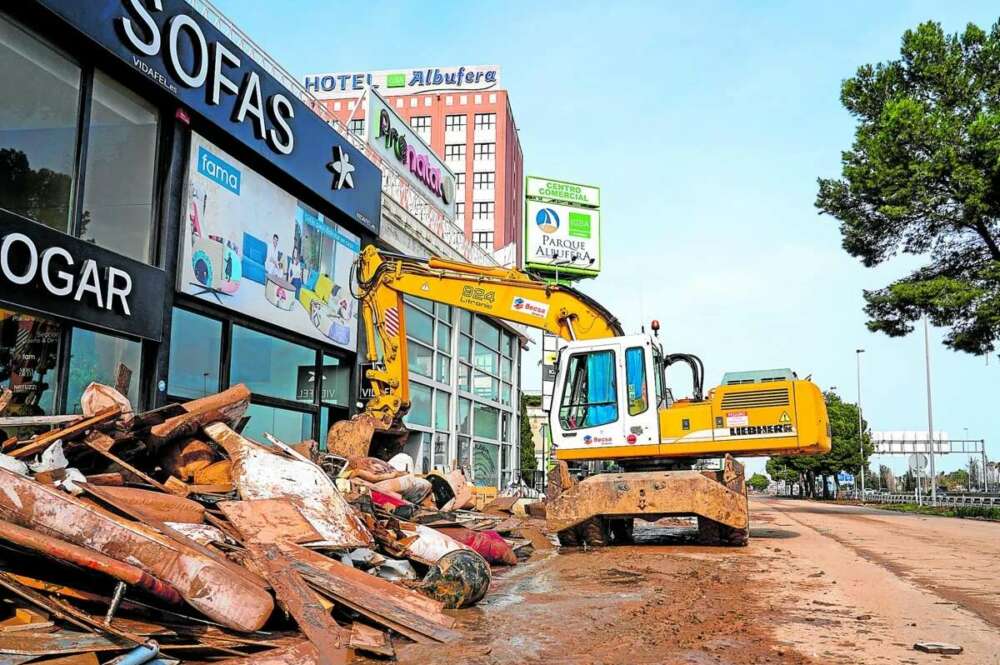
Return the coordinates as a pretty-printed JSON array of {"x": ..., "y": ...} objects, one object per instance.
[{"x": 464, "y": 115}]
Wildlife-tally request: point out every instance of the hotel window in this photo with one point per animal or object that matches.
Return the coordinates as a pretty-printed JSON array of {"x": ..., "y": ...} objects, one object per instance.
[
  {"x": 460, "y": 210},
  {"x": 455, "y": 123},
  {"x": 454, "y": 151},
  {"x": 486, "y": 120},
  {"x": 460, "y": 179},
  {"x": 483, "y": 209},
  {"x": 421, "y": 123},
  {"x": 484, "y": 239},
  {"x": 357, "y": 127},
  {"x": 485, "y": 151},
  {"x": 484, "y": 180}
]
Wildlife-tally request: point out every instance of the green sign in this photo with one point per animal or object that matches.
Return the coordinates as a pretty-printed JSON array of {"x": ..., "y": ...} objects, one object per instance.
[
  {"x": 562, "y": 192},
  {"x": 579, "y": 224}
]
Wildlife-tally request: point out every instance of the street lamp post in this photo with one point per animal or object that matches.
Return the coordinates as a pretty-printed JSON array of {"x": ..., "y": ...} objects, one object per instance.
[
  {"x": 930, "y": 414},
  {"x": 861, "y": 431}
]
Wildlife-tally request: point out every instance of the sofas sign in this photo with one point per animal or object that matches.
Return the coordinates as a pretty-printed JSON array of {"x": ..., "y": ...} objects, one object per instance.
[
  {"x": 252, "y": 247},
  {"x": 183, "y": 54},
  {"x": 392, "y": 138}
]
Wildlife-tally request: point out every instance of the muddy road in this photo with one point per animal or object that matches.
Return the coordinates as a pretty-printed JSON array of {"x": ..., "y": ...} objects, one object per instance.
[{"x": 818, "y": 584}]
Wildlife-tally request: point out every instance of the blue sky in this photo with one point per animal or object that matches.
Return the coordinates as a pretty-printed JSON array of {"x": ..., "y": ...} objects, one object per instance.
[{"x": 706, "y": 126}]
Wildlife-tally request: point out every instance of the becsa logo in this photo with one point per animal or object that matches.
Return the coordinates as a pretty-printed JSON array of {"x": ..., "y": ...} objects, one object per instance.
[
  {"x": 518, "y": 303},
  {"x": 587, "y": 440},
  {"x": 547, "y": 220}
]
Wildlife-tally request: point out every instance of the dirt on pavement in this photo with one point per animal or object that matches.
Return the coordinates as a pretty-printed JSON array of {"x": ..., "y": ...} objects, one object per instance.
[{"x": 817, "y": 584}]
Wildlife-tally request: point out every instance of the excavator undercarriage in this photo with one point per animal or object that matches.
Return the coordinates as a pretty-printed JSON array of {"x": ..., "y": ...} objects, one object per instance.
[{"x": 601, "y": 509}]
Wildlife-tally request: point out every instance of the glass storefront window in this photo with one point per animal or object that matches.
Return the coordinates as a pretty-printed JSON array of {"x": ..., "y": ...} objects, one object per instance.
[
  {"x": 113, "y": 361},
  {"x": 29, "y": 351},
  {"x": 464, "y": 347},
  {"x": 464, "y": 377},
  {"x": 285, "y": 424},
  {"x": 486, "y": 457},
  {"x": 336, "y": 381},
  {"x": 464, "y": 453},
  {"x": 420, "y": 359},
  {"x": 442, "y": 410},
  {"x": 485, "y": 421},
  {"x": 121, "y": 162},
  {"x": 38, "y": 127},
  {"x": 505, "y": 394},
  {"x": 441, "y": 450},
  {"x": 444, "y": 337},
  {"x": 505, "y": 369},
  {"x": 422, "y": 303},
  {"x": 195, "y": 351},
  {"x": 268, "y": 365},
  {"x": 443, "y": 312},
  {"x": 485, "y": 386},
  {"x": 464, "y": 415},
  {"x": 488, "y": 333},
  {"x": 419, "y": 325},
  {"x": 443, "y": 369},
  {"x": 420, "y": 406},
  {"x": 465, "y": 321},
  {"x": 486, "y": 360}
]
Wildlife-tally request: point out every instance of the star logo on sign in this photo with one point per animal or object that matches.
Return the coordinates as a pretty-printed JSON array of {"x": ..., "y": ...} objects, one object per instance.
[{"x": 341, "y": 168}]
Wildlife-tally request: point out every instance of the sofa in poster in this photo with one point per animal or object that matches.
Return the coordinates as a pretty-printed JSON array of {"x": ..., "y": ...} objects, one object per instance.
[{"x": 251, "y": 247}]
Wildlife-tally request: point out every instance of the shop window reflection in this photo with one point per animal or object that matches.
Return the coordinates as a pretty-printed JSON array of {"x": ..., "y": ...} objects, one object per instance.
[
  {"x": 29, "y": 351},
  {"x": 113, "y": 361}
]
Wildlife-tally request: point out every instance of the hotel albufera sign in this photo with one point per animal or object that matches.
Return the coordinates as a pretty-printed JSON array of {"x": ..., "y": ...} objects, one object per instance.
[
  {"x": 562, "y": 227},
  {"x": 463, "y": 78}
]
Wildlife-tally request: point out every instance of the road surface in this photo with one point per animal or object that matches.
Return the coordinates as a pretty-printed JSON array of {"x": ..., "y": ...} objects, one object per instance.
[{"x": 819, "y": 583}]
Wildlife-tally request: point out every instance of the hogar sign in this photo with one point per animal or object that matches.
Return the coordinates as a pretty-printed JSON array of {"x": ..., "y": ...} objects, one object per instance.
[{"x": 418, "y": 163}]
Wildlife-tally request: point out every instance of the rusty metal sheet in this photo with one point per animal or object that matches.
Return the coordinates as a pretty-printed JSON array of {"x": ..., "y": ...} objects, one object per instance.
[
  {"x": 210, "y": 587},
  {"x": 269, "y": 520},
  {"x": 261, "y": 474}
]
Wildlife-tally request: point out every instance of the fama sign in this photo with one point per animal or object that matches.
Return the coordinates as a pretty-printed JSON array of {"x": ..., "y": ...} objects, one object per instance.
[{"x": 52, "y": 273}]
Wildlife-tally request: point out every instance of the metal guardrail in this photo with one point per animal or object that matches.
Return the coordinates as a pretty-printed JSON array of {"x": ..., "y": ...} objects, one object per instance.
[
  {"x": 393, "y": 185},
  {"x": 942, "y": 500}
]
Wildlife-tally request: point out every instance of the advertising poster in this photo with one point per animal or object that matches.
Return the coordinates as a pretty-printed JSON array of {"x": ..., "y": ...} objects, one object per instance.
[{"x": 252, "y": 247}]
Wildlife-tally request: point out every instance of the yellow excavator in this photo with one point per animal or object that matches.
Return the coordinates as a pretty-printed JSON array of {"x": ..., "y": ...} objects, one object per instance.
[{"x": 610, "y": 403}]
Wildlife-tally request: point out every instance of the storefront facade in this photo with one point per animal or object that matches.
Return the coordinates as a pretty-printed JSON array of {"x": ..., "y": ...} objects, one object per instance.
[{"x": 172, "y": 220}]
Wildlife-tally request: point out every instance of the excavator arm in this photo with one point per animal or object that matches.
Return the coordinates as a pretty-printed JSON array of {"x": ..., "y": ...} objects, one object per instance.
[{"x": 511, "y": 295}]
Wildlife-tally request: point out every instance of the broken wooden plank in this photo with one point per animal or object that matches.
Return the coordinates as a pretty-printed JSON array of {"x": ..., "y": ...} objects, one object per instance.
[
  {"x": 43, "y": 441},
  {"x": 301, "y": 602},
  {"x": 371, "y": 640},
  {"x": 227, "y": 406},
  {"x": 55, "y": 644},
  {"x": 26, "y": 619},
  {"x": 406, "y": 611},
  {"x": 37, "y": 421},
  {"x": 150, "y": 506},
  {"x": 98, "y": 448},
  {"x": 212, "y": 588},
  {"x": 269, "y": 521}
]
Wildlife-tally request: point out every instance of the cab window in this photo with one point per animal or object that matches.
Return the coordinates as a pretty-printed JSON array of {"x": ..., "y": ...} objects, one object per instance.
[
  {"x": 589, "y": 394},
  {"x": 635, "y": 380},
  {"x": 663, "y": 396}
]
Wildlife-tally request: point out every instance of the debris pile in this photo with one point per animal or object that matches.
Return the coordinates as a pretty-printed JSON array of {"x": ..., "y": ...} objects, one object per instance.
[{"x": 167, "y": 536}]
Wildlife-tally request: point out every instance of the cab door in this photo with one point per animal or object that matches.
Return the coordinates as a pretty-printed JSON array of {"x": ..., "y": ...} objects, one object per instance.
[
  {"x": 642, "y": 427},
  {"x": 586, "y": 415}
]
